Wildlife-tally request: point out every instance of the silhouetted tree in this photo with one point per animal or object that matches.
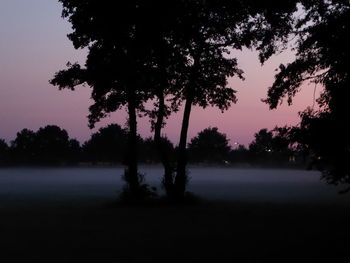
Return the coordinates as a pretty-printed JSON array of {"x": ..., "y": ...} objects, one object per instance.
[
  {"x": 139, "y": 50},
  {"x": 116, "y": 35},
  {"x": 211, "y": 30},
  {"x": 209, "y": 146},
  {"x": 240, "y": 155},
  {"x": 23, "y": 147},
  {"x": 4, "y": 152},
  {"x": 49, "y": 145},
  {"x": 149, "y": 152},
  {"x": 262, "y": 143},
  {"x": 274, "y": 146},
  {"x": 75, "y": 151},
  {"x": 322, "y": 57},
  {"x": 206, "y": 30},
  {"x": 107, "y": 145}
]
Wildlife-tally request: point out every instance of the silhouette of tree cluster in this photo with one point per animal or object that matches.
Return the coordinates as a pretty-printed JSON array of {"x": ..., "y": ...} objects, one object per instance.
[
  {"x": 209, "y": 146},
  {"x": 172, "y": 53},
  {"x": 52, "y": 145},
  {"x": 49, "y": 145},
  {"x": 4, "y": 152},
  {"x": 322, "y": 57},
  {"x": 109, "y": 144},
  {"x": 275, "y": 146}
]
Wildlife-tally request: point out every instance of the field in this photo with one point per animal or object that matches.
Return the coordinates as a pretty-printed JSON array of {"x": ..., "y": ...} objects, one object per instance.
[{"x": 61, "y": 220}]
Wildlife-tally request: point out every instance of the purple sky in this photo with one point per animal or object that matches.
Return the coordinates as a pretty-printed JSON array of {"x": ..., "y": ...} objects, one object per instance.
[{"x": 33, "y": 46}]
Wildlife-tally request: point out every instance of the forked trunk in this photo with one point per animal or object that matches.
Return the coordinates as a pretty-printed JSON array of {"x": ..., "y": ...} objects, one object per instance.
[
  {"x": 131, "y": 172},
  {"x": 163, "y": 155},
  {"x": 181, "y": 178},
  {"x": 181, "y": 173}
]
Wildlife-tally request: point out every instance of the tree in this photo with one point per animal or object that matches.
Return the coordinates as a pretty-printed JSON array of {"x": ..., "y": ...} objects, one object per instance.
[
  {"x": 149, "y": 152},
  {"x": 213, "y": 30},
  {"x": 322, "y": 57},
  {"x": 120, "y": 65},
  {"x": 4, "y": 152},
  {"x": 50, "y": 145},
  {"x": 119, "y": 58},
  {"x": 141, "y": 50},
  {"x": 262, "y": 143},
  {"x": 239, "y": 155},
  {"x": 107, "y": 145},
  {"x": 75, "y": 151},
  {"x": 207, "y": 29},
  {"x": 272, "y": 146},
  {"x": 209, "y": 146},
  {"x": 23, "y": 147}
]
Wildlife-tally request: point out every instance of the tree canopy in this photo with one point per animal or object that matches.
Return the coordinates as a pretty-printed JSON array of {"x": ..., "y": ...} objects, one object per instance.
[
  {"x": 172, "y": 53},
  {"x": 209, "y": 145},
  {"x": 322, "y": 57},
  {"x": 49, "y": 145}
]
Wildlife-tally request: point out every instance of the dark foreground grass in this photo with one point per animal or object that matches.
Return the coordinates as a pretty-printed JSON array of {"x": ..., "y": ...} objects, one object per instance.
[{"x": 201, "y": 232}]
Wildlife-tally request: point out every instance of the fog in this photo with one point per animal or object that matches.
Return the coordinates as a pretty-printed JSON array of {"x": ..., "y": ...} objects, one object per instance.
[{"x": 22, "y": 186}]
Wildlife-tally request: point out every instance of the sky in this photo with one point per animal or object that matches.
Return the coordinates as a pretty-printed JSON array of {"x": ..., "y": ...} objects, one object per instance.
[{"x": 34, "y": 45}]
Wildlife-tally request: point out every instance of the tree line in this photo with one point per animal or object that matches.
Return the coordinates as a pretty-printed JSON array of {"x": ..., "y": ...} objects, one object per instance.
[{"x": 52, "y": 146}]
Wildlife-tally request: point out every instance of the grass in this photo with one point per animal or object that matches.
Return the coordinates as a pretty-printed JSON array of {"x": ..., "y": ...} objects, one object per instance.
[{"x": 210, "y": 231}]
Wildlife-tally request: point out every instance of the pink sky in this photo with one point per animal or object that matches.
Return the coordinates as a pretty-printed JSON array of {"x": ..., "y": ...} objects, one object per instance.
[{"x": 33, "y": 46}]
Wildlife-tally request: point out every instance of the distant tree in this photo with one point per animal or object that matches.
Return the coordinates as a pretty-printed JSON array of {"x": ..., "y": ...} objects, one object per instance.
[
  {"x": 49, "y": 145},
  {"x": 150, "y": 154},
  {"x": 209, "y": 146},
  {"x": 239, "y": 155},
  {"x": 262, "y": 143},
  {"x": 4, "y": 152},
  {"x": 273, "y": 146},
  {"x": 53, "y": 146},
  {"x": 75, "y": 151},
  {"x": 23, "y": 147},
  {"x": 282, "y": 140},
  {"x": 109, "y": 144},
  {"x": 322, "y": 57}
]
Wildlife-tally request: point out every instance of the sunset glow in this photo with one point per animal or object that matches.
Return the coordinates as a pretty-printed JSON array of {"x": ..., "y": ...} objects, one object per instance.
[{"x": 34, "y": 46}]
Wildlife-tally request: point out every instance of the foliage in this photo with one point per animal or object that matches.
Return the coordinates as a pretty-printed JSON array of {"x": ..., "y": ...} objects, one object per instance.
[
  {"x": 118, "y": 66},
  {"x": 322, "y": 57},
  {"x": 4, "y": 150},
  {"x": 107, "y": 145},
  {"x": 209, "y": 146},
  {"x": 49, "y": 145},
  {"x": 149, "y": 153},
  {"x": 272, "y": 146}
]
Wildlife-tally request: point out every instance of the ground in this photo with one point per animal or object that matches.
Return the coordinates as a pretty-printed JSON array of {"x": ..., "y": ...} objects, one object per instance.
[{"x": 210, "y": 231}]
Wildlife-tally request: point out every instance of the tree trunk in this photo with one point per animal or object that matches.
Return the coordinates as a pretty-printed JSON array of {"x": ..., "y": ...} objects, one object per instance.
[
  {"x": 181, "y": 178},
  {"x": 164, "y": 158},
  {"x": 181, "y": 175},
  {"x": 131, "y": 172}
]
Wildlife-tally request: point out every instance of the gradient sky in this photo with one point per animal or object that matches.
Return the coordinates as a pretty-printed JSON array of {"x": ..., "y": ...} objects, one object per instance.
[{"x": 33, "y": 46}]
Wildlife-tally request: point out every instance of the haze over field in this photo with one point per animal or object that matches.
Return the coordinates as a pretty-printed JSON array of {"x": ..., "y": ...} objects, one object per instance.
[
  {"x": 25, "y": 186},
  {"x": 207, "y": 180}
]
